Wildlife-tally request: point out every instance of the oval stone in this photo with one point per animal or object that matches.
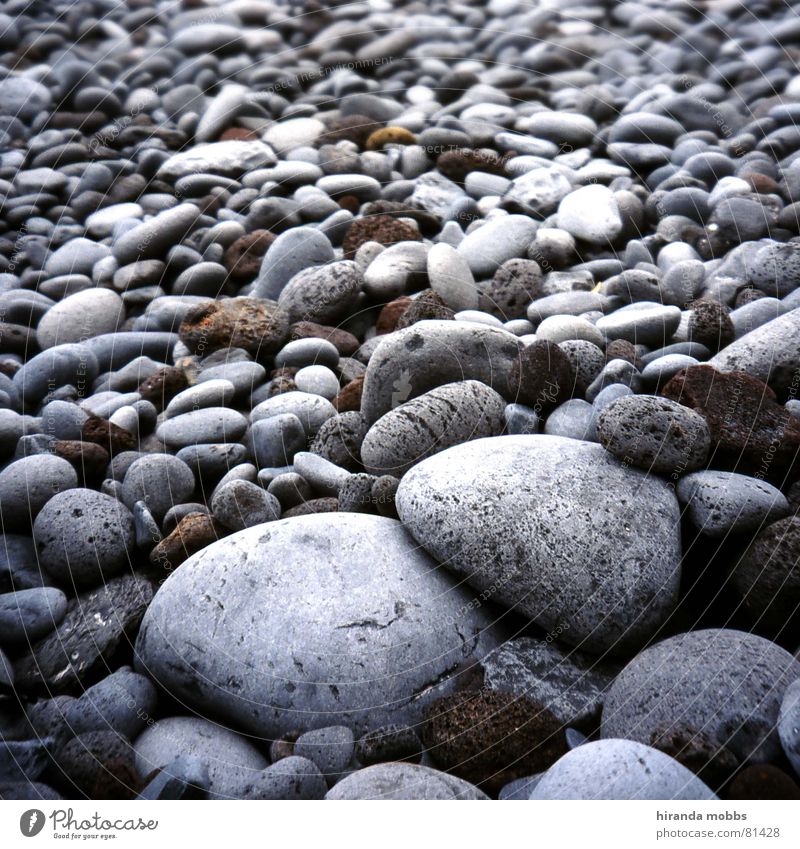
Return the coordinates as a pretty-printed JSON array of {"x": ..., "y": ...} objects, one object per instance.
[
  {"x": 311, "y": 621},
  {"x": 554, "y": 528}
]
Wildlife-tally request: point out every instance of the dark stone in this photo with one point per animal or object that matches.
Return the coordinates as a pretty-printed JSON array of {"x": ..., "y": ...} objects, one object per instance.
[
  {"x": 763, "y": 781},
  {"x": 456, "y": 164},
  {"x": 349, "y": 397},
  {"x": 377, "y": 228},
  {"x": 428, "y": 305},
  {"x": 542, "y": 377},
  {"x": 622, "y": 349},
  {"x": 96, "y": 623},
  {"x": 160, "y": 388},
  {"x": 339, "y": 440},
  {"x": 87, "y": 458},
  {"x": 256, "y": 326},
  {"x": 97, "y": 765},
  {"x": 710, "y": 325},
  {"x": 490, "y": 738},
  {"x": 767, "y": 577},
  {"x": 354, "y": 128},
  {"x": 112, "y": 438},
  {"x": 243, "y": 258},
  {"x": 389, "y": 743},
  {"x": 384, "y": 491},
  {"x": 390, "y": 314},
  {"x": 750, "y": 432}
]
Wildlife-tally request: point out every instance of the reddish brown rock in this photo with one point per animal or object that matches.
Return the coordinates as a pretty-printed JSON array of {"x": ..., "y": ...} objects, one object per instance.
[
  {"x": 622, "y": 349},
  {"x": 109, "y": 436},
  {"x": 192, "y": 534},
  {"x": 391, "y": 314},
  {"x": 316, "y": 505},
  {"x": 349, "y": 397},
  {"x": 377, "y": 228},
  {"x": 257, "y": 326},
  {"x": 87, "y": 458},
  {"x": 428, "y": 223},
  {"x": 751, "y": 433},
  {"x": 160, "y": 388},
  {"x": 763, "y": 781},
  {"x": 345, "y": 343},
  {"x": 243, "y": 257},
  {"x": 490, "y": 738},
  {"x": 427, "y": 305}
]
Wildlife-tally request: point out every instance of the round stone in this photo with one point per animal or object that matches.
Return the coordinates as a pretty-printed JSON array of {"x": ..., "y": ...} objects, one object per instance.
[
  {"x": 240, "y": 504},
  {"x": 325, "y": 294},
  {"x": 590, "y": 213},
  {"x": 620, "y": 769},
  {"x": 654, "y": 434},
  {"x": 84, "y": 536},
  {"x": 727, "y": 683},
  {"x": 208, "y": 425},
  {"x": 403, "y": 781},
  {"x": 378, "y": 655},
  {"x": 27, "y": 615},
  {"x": 26, "y": 485},
  {"x": 160, "y": 480}
]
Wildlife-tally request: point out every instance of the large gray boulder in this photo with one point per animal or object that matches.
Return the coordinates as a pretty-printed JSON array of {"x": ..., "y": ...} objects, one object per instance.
[
  {"x": 728, "y": 684},
  {"x": 318, "y": 620},
  {"x": 554, "y": 528}
]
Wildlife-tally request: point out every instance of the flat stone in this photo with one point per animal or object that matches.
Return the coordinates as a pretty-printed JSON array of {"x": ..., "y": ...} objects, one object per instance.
[
  {"x": 27, "y": 615},
  {"x": 770, "y": 352},
  {"x": 449, "y": 275},
  {"x": 229, "y": 158},
  {"x": 590, "y": 213},
  {"x": 570, "y": 684},
  {"x": 642, "y": 323},
  {"x": 325, "y": 295}
]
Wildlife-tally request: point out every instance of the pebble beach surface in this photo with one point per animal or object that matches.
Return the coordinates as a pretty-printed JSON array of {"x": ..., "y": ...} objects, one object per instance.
[{"x": 399, "y": 399}]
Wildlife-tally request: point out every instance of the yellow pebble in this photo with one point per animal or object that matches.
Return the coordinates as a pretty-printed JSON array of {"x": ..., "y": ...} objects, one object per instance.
[{"x": 390, "y": 135}]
